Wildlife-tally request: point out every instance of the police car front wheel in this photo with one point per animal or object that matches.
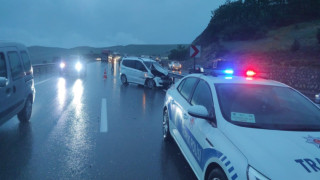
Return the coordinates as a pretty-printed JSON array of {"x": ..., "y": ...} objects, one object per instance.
[
  {"x": 165, "y": 126},
  {"x": 217, "y": 174}
]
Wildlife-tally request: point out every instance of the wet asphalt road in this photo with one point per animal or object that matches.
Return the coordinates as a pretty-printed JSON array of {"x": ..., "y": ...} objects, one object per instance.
[{"x": 63, "y": 139}]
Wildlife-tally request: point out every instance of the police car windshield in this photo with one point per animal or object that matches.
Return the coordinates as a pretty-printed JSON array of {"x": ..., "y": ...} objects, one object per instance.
[{"x": 267, "y": 107}]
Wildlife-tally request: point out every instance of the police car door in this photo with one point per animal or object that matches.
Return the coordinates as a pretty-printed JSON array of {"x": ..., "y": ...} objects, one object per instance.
[
  {"x": 181, "y": 120},
  {"x": 199, "y": 127}
]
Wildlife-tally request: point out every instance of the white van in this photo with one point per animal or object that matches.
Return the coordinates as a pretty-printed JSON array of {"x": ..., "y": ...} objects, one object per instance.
[
  {"x": 144, "y": 71},
  {"x": 17, "y": 91}
]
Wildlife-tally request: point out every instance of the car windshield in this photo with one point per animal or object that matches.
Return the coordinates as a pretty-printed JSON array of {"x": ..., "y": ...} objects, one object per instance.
[
  {"x": 150, "y": 63},
  {"x": 267, "y": 107}
]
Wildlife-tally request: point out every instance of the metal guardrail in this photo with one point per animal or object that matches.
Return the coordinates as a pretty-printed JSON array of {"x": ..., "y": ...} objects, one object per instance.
[
  {"x": 175, "y": 76},
  {"x": 44, "y": 68}
]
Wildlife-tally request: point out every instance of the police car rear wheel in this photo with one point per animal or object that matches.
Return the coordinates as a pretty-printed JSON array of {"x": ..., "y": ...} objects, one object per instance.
[
  {"x": 165, "y": 127},
  {"x": 217, "y": 174}
]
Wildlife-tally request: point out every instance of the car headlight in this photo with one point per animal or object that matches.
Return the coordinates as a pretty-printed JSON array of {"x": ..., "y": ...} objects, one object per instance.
[
  {"x": 255, "y": 175},
  {"x": 78, "y": 66},
  {"x": 62, "y": 65}
]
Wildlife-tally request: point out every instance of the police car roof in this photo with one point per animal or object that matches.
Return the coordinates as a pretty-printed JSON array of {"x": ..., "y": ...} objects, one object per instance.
[{"x": 238, "y": 80}]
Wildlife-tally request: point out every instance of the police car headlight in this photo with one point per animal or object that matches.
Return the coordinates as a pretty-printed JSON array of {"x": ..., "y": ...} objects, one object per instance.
[{"x": 255, "y": 175}]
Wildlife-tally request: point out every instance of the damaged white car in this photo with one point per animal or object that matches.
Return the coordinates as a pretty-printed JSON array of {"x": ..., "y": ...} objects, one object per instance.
[{"x": 144, "y": 71}]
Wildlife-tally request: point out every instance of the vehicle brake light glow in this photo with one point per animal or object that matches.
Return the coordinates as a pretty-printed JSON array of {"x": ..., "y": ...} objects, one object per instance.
[
  {"x": 228, "y": 71},
  {"x": 250, "y": 73}
]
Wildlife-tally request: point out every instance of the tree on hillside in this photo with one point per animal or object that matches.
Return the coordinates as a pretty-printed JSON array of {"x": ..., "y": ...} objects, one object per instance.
[
  {"x": 318, "y": 35},
  {"x": 251, "y": 19},
  {"x": 180, "y": 53}
]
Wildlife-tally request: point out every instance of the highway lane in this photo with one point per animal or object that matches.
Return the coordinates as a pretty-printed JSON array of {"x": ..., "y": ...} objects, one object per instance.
[{"x": 71, "y": 137}]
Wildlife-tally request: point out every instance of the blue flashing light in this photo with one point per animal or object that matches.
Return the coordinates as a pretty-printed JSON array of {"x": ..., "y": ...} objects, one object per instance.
[
  {"x": 228, "y": 71},
  {"x": 228, "y": 77}
]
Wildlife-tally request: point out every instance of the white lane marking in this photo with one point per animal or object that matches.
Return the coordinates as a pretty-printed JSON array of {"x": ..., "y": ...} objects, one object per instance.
[
  {"x": 104, "y": 116},
  {"x": 41, "y": 82}
]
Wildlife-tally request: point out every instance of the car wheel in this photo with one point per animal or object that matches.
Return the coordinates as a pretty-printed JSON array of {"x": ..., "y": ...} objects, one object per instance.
[
  {"x": 25, "y": 114},
  {"x": 165, "y": 126},
  {"x": 124, "y": 79},
  {"x": 217, "y": 174},
  {"x": 150, "y": 83}
]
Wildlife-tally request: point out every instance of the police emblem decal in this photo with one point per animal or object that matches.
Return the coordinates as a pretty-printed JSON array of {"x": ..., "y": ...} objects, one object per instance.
[{"x": 313, "y": 140}]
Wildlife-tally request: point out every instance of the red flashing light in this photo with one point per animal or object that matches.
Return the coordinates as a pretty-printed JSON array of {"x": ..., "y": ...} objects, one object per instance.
[{"x": 250, "y": 73}]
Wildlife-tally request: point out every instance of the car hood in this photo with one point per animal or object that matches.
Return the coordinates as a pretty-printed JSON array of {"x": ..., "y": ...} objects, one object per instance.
[
  {"x": 160, "y": 70},
  {"x": 278, "y": 154}
]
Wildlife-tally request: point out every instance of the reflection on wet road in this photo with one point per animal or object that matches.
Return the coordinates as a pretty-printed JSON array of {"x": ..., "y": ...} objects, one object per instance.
[{"x": 63, "y": 139}]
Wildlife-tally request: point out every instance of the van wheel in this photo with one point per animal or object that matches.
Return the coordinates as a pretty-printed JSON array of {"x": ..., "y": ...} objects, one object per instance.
[
  {"x": 165, "y": 126},
  {"x": 124, "y": 79},
  {"x": 150, "y": 83},
  {"x": 25, "y": 114},
  {"x": 217, "y": 174}
]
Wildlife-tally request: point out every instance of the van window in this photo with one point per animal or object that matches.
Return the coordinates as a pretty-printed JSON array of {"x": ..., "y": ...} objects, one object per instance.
[
  {"x": 26, "y": 61},
  {"x": 140, "y": 66},
  {"x": 16, "y": 67},
  {"x": 3, "y": 67},
  {"x": 128, "y": 63}
]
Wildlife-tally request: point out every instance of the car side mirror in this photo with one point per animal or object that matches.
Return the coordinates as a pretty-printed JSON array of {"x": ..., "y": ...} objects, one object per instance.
[
  {"x": 199, "y": 111},
  {"x": 3, "y": 82}
]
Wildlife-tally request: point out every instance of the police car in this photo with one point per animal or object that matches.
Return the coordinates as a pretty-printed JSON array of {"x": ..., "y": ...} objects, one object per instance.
[{"x": 236, "y": 128}]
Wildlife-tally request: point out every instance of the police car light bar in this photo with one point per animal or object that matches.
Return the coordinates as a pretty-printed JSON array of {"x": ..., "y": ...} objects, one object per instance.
[
  {"x": 228, "y": 71},
  {"x": 250, "y": 73}
]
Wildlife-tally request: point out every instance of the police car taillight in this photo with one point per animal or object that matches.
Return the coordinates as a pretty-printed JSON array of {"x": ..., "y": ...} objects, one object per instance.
[{"x": 250, "y": 73}]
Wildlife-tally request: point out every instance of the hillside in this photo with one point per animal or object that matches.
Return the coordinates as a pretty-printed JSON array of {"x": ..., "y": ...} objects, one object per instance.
[
  {"x": 39, "y": 54},
  {"x": 274, "y": 48}
]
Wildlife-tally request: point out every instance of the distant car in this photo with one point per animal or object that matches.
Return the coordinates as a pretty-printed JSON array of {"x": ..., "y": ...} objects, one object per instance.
[
  {"x": 17, "y": 92},
  {"x": 243, "y": 128},
  {"x": 73, "y": 66},
  {"x": 144, "y": 71},
  {"x": 197, "y": 69},
  {"x": 175, "y": 65}
]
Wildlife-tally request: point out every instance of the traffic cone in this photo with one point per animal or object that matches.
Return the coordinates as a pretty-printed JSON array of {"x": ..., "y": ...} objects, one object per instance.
[{"x": 105, "y": 74}]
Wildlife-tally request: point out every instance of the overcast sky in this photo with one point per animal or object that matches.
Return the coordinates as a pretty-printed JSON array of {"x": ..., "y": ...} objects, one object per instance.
[{"x": 101, "y": 23}]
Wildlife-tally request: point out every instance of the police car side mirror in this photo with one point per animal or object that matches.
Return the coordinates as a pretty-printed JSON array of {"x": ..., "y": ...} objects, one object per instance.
[
  {"x": 3, "y": 81},
  {"x": 199, "y": 111}
]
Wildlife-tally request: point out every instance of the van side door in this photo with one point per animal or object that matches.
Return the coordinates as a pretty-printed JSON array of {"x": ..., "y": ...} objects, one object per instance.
[
  {"x": 140, "y": 72},
  {"x": 12, "y": 95},
  {"x": 17, "y": 82}
]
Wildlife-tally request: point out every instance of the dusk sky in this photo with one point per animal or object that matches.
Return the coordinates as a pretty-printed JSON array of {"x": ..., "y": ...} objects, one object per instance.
[{"x": 102, "y": 23}]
